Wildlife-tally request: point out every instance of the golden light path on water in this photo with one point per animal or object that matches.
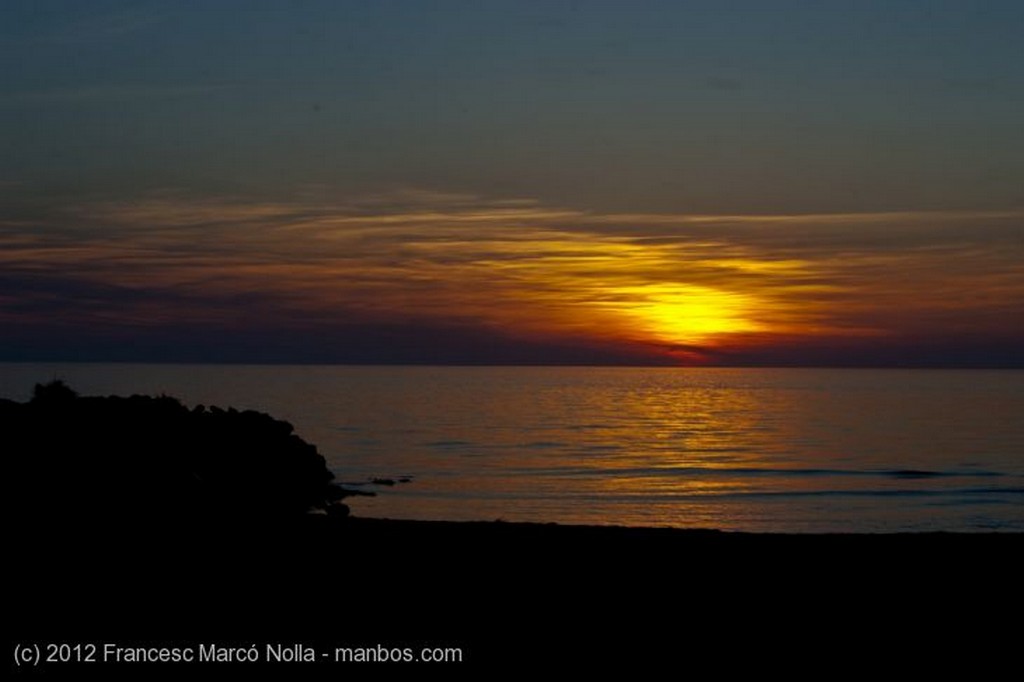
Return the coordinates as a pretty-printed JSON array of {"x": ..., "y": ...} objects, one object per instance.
[{"x": 784, "y": 450}]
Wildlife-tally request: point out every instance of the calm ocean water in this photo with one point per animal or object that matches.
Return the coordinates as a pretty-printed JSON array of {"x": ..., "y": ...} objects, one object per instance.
[{"x": 742, "y": 449}]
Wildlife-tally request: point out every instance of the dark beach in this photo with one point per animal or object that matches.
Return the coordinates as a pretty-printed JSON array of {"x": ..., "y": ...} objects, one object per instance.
[
  {"x": 130, "y": 559},
  {"x": 542, "y": 597}
]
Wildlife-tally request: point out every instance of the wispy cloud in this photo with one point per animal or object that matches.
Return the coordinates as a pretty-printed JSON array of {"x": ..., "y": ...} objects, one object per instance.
[{"x": 669, "y": 281}]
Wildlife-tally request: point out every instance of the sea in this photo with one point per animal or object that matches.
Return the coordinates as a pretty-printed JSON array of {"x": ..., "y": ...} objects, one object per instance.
[{"x": 762, "y": 450}]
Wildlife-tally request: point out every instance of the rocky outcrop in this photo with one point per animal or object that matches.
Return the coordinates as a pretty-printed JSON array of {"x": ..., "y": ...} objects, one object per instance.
[{"x": 74, "y": 458}]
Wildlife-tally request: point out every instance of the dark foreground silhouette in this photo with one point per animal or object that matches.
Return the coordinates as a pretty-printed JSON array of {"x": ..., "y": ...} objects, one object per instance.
[
  {"x": 139, "y": 521},
  {"x": 144, "y": 459}
]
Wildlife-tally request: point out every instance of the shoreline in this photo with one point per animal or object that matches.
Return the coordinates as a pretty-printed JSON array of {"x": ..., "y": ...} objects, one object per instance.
[
  {"x": 205, "y": 539},
  {"x": 441, "y": 525}
]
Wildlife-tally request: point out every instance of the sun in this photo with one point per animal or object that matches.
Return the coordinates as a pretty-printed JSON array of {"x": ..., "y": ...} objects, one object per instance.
[{"x": 685, "y": 314}]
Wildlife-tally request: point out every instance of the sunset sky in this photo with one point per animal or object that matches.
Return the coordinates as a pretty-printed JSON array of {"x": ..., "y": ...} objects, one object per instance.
[{"x": 762, "y": 182}]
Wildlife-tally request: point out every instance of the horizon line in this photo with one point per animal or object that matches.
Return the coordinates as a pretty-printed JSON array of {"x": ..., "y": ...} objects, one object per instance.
[{"x": 525, "y": 365}]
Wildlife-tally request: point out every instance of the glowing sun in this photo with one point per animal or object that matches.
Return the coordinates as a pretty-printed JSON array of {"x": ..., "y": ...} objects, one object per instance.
[{"x": 685, "y": 314}]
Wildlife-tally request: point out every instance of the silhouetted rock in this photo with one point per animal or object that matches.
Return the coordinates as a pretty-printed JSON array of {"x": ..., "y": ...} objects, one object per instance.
[
  {"x": 338, "y": 510},
  {"x": 337, "y": 492},
  {"x": 55, "y": 392},
  {"x": 124, "y": 461}
]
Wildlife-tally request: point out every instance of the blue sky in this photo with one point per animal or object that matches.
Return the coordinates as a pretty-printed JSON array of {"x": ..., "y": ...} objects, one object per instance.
[{"x": 704, "y": 106}]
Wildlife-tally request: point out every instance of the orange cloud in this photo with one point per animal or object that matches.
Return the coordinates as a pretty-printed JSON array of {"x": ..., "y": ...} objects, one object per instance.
[{"x": 661, "y": 281}]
